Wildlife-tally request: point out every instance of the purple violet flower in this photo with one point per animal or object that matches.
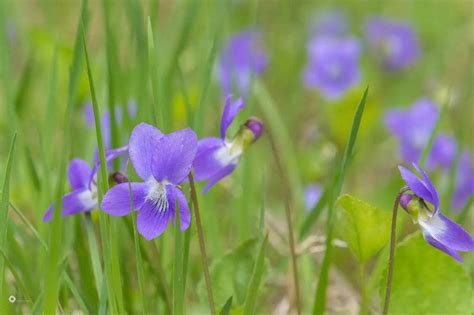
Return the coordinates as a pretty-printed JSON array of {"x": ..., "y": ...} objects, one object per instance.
[
  {"x": 393, "y": 42},
  {"x": 312, "y": 194},
  {"x": 438, "y": 230},
  {"x": 465, "y": 181},
  {"x": 218, "y": 157},
  {"x": 163, "y": 162},
  {"x": 242, "y": 58},
  {"x": 413, "y": 127},
  {"x": 83, "y": 181},
  {"x": 333, "y": 65}
]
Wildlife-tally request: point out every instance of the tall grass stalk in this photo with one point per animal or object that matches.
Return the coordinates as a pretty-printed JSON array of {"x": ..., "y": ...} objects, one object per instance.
[{"x": 202, "y": 245}]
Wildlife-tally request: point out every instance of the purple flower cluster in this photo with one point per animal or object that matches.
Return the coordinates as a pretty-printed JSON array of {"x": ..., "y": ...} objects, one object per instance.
[
  {"x": 393, "y": 43},
  {"x": 438, "y": 230},
  {"x": 333, "y": 56},
  {"x": 412, "y": 127},
  {"x": 333, "y": 65},
  {"x": 163, "y": 162}
]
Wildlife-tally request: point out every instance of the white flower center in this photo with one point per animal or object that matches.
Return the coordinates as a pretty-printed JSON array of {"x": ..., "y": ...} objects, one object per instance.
[
  {"x": 229, "y": 153},
  {"x": 434, "y": 226},
  {"x": 157, "y": 194}
]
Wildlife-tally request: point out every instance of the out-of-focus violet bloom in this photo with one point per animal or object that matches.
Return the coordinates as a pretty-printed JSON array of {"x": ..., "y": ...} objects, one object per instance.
[
  {"x": 163, "y": 162},
  {"x": 105, "y": 120},
  {"x": 333, "y": 65},
  {"x": 242, "y": 58},
  {"x": 83, "y": 181},
  {"x": 218, "y": 157},
  {"x": 465, "y": 181},
  {"x": 330, "y": 23},
  {"x": 393, "y": 42},
  {"x": 312, "y": 194},
  {"x": 438, "y": 230},
  {"x": 413, "y": 127},
  {"x": 442, "y": 152}
]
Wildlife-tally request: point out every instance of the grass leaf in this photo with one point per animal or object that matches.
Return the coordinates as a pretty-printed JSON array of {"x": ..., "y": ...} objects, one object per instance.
[{"x": 319, "y": 304}]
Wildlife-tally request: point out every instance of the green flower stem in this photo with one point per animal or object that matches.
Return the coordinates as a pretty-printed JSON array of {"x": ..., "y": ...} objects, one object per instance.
[
  {"x": 291, "y": 238},
  {"x": 202, "y": 245},
  {"x": 393, "y": 240}
]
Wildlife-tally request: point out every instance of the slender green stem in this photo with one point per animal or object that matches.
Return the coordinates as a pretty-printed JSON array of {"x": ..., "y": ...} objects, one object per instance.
[
  {"x": 291, "y": 238},
  {"x": 94, "y": 252},
  {"x": 393, "y": 241},
  {"x": 202, "y": 245}
]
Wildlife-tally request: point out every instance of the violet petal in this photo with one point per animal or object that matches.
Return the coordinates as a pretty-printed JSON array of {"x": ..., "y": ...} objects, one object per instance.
[
  {"x": 143, "y": 141},
  {"x": 173, "y": 156},
  {"x": 151, "y": 222},
  {"x": 117, "y": 200},
  {"x": 231, "y": 109}
]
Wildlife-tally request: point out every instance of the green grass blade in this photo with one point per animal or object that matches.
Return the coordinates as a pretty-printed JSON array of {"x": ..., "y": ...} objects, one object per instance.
[
  {"x": 69, "y": 283},
  {"x": 314, "y": 215},
  {"x": 25, "y": 291},
  {"x": 252, "y": 291},
  {"x": 227, "y": 306},
  {"x": 178, "y": 280},
  {"x": 153, "y": 76},
  {"x": 319, "y": 304},
  {"x": 276, "y": 125},
  {"x": 113, "y": 278},
  {"x": 4, "y": 217},
  {"x": 138, "y": 255}
]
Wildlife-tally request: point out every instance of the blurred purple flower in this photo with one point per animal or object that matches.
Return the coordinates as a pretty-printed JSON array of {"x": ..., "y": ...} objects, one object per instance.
[
  {"x": 330, "y": 23},
  {"x": 312, "y": 194},
  {"x": 163, "y": 162},
  {"x": 393, "y": 42},
  {"x": 242, "y": 58},
  {"x": 438, "y": 230},
  {"x": 465, "y": 182},
  {"x": 442, "y": 152},
  {"x": 218, "y": 157},
  {"x": 88, "y": 112},
  {"x": 333, "y": 65},
  {"x": 83, "y": 181},
  {"x": 413, "y": 127}
]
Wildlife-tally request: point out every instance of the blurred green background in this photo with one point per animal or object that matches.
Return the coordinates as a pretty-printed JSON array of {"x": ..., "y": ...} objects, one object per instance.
[{"x": 37, "y": 48}]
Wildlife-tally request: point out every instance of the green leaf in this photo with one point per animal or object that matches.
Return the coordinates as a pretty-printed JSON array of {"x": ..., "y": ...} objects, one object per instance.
[
  {"x": 319, "y": 304},
  {"x": 257, "y": 274},
  {"x": 226, "y": 308},
  {"x": 232, "y": 273},
  {"x": 4, "y": 214},
  {"x": 427, "y": 281},
  {"x": 366, "y": 229}
]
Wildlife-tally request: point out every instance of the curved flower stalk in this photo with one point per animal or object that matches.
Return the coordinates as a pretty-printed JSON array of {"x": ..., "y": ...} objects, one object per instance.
[
  {"x": 218, "y": 157},
  {"x": 241, "y": 58},
  {"x": 333, "y": 65},
  {"x": 83, "y": 181},
  {"x": 163, "y": 162},
  {"x": 394, "y": 42},
  {"x": 438, "y": 230}
]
